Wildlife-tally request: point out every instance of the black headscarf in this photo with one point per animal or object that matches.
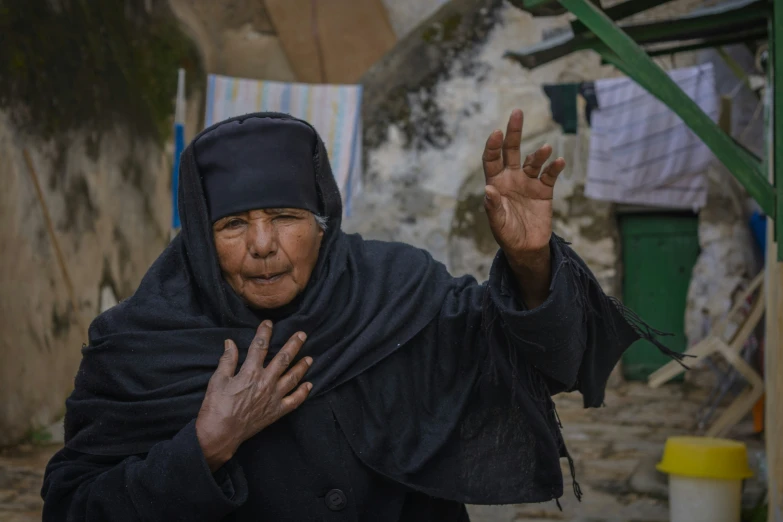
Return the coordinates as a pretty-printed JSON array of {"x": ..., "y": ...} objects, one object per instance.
[
  {"x": 364, "y": 300},
  {"x": 258, "y": 163}
]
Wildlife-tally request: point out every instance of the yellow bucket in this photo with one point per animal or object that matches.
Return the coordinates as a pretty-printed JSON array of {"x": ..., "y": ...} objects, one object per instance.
[{"x": 705, "y": 457}]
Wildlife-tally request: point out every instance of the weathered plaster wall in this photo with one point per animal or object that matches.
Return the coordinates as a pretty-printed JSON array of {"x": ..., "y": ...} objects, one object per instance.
[
  {"x": 430, "y": 105},
  {"x": 406, "y": 15},
  {"x": 98, "y": 144},
  {"x": 727, "y": 260},
  {"x": 110, "y": 209},
  {"x": 235, "y": 38}
]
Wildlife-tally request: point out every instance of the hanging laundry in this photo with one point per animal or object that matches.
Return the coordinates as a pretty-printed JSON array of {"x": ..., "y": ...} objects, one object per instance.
[
  {"x": 562, "y": 101},
  {"x": 587, "y": 91},
  {"x": 334, "y": 111},
  {"x": 641, "y": 152}
]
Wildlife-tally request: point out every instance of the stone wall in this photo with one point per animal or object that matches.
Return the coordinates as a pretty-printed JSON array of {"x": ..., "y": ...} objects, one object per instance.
[
  {"x": 728, "y": 258},
  {"x": 430, "y": 105},
  {"x": 235, "y": 38},
  {"x": 98, "y": 144}
]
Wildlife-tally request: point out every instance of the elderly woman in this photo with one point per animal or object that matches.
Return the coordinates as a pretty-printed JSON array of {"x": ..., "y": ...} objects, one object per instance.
[{"x": 271, "y": 367}]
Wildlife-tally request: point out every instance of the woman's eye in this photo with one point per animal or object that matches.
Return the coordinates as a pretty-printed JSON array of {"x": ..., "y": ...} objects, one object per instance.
[
  {"x": 234, "y": 223},
  {"x": 285, "y": 217}
]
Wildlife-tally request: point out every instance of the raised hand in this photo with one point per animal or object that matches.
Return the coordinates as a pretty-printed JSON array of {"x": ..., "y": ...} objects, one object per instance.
[
  {"x": 518, "y": 201},
  {"x": 236, "y": 407},
  {"x": 518, "y": 193}
]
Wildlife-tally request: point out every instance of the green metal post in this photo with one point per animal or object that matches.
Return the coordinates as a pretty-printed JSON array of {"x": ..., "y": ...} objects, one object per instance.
[{"x": 641, "y": 68}]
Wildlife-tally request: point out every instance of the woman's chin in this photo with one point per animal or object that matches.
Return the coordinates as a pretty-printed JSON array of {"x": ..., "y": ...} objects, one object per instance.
[{"x": 267, "y": 295}]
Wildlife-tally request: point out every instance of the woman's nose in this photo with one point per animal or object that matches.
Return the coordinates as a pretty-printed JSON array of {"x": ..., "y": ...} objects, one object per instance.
[{"x": 262, "y": 239}]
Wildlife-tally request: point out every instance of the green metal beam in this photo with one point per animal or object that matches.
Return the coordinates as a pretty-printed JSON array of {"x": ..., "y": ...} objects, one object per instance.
[
  {"x": 776, "y": 60},
  {"x": 710, "y": 23},
  {"x": 532, "y": 4},
  {"x": 535, "y": 4},
  {"x": 640, "y": 67},
  {"x": 698, "y": 26},
  {"x": 708, "y": 42},
  {"x": 746, "y": 37},
  {"x": 540, "y": 7},
  {"x": 620, "y": 11}
]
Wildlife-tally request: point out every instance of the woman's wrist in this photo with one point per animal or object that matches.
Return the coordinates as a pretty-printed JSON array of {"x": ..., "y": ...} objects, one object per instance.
[
  {"x": 533, "y": 274},
  {"x": 217, "y": 448}
]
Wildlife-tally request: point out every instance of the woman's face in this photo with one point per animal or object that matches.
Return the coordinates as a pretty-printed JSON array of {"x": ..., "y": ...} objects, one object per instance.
[{"x": 267, "y": 256}]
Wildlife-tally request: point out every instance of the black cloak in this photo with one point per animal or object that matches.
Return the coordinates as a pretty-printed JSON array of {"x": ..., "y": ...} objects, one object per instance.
[{"x": 145, "y": 371}]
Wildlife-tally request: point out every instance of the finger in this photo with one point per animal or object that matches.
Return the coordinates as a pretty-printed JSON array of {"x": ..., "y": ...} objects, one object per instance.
[
  {"x": 511, "y": 154},
  {"x": 228, "y": 361},
  {"x": 286, "y": 355},
  {"x": 549, "y": 176},
  {"x": 293, "y": 376},
  {"x": 256, "y": 354},
  {"x": 534, "y": 162},
  {"x": 493, "y": 203},
  {"x": 293, "y": 401},
  {"x": 492, "y": 159}
]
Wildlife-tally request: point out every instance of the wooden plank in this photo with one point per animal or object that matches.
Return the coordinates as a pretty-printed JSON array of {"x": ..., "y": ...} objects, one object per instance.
[
  {"x": 332, "y": 42},
  {"x": 659, "y": 84},
  {"x": 773, "y": 378}
]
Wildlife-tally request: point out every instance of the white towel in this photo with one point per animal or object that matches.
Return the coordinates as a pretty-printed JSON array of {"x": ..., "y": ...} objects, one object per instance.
[
  {"x": 334, "y": 111},
  {"x": 641, "y": 152}
]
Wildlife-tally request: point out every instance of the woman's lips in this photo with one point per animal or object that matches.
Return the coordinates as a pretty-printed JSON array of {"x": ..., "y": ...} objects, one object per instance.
[{"x": 267, "y": 280}]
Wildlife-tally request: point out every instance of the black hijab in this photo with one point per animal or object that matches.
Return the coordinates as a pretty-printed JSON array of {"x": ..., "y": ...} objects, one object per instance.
[
  {"x": 364, "y": 300},
  {"x": 257, "y": 163}
]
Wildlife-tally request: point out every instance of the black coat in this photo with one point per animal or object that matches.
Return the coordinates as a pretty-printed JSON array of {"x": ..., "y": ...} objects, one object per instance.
[{"x": 302, "y": 467}]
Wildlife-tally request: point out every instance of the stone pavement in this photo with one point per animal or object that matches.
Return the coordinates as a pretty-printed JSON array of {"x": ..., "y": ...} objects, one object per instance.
[{"x": 615, "y": 449}]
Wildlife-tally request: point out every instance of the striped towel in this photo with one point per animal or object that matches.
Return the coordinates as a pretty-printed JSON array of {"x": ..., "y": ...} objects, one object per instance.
[
  {"x": 334, "y": 111},
  {"x": 641, "y": 152}
]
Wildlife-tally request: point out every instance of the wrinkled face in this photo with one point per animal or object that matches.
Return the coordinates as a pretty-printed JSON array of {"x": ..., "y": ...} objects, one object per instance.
[{"x": 267, "y": 256}]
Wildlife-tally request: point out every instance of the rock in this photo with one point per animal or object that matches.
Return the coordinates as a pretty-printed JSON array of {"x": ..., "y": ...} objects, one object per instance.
[
  {"x": 56, "y": 433},
  {"x": 647, "y": 480}
]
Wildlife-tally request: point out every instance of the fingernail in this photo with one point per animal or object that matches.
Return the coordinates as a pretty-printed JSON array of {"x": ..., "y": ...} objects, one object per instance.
[
  {"x": 301, "y": 336},
  {"x": 226, "y": 345},
  {"x": 309, "y": 361},
  {"x": 309, "y": 386},
  {"x": 267, "y": 323}
]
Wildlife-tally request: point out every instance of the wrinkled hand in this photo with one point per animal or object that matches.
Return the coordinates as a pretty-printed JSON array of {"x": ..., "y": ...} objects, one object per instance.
[
  {"x": 236, "y": 407},
  {"x": 518, "y": 196}
]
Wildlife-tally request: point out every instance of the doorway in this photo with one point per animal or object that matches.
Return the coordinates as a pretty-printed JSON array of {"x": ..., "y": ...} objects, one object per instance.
[{"x": 659, "y": 252}]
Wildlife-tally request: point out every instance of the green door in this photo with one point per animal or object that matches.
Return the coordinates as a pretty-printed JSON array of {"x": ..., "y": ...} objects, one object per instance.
[{"x": 659, "y": 251}]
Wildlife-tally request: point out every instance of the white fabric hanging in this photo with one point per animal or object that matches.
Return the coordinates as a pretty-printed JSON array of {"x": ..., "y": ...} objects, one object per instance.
[{"x": 641, "y": 152}]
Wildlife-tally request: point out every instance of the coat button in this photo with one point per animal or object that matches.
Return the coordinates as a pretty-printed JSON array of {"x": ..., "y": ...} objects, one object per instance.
[{"x": 336, "y": 500}]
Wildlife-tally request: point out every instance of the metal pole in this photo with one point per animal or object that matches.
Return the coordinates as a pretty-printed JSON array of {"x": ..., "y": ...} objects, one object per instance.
[{"x": 179, "y": 146}]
